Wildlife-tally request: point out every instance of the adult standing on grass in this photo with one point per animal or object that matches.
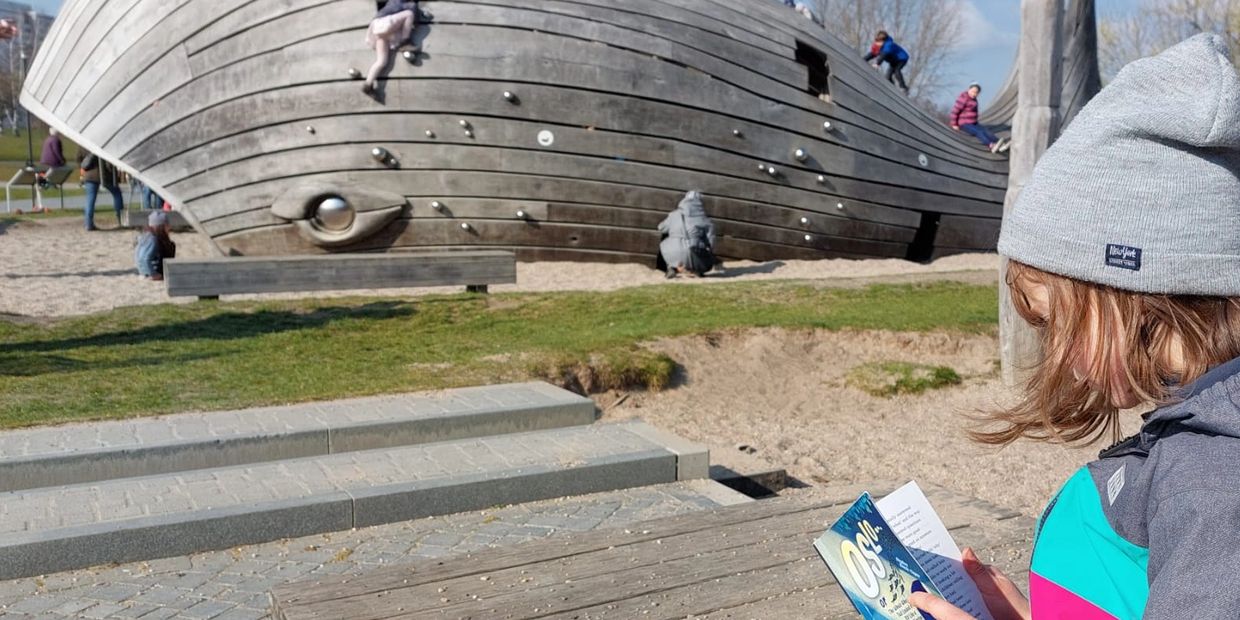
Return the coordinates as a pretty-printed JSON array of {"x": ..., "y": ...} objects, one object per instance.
[
  {"x": 891, "y": 53},
  {"x": 96, "y": 172},
  {"x": 964, "y": 118},
  {"x": 1125, "y": 254},
  {"x": 53, "y": 157}
]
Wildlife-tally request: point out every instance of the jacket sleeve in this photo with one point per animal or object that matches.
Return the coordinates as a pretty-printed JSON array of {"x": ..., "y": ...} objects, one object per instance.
[
  {"x": 665, "y": 226},
  {"x": 1193, "y": 540},
  {"x": 710, "y": 234},
  {"x": 956, "y": 110}
]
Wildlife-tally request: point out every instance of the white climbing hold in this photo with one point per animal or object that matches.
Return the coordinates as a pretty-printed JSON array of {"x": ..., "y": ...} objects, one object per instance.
[
  {"x": 546, "y": 138},
  {"x": 800, "y": 155},
  {"x": 436, "y": 205}
]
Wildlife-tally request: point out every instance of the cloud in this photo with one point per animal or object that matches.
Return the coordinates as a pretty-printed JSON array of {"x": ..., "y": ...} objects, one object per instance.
[{"x": 979, "y": 32}]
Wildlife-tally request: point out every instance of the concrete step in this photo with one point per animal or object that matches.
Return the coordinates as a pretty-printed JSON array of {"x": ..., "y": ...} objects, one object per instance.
[
  {"x": 56, "y": 529},
  {"x": 77, "y": 453}
]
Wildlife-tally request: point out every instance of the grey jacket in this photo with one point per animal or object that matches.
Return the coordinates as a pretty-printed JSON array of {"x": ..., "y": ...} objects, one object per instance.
[
  {"x": 687, "y": 223},
  {"x": 1152, "y": 528}
]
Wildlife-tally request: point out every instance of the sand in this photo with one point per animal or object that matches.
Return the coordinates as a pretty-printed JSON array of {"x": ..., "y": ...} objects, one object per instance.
[
  {"x": 54, "y": 268},
  {"x": 781, "y": 393}
]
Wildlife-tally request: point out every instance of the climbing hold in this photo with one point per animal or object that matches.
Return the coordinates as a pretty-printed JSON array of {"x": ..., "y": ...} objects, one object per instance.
[
  {"x": 310, "y": 128},
  {"x": 509, "y": 97},
  {"x": 822, "y": 179},
  {"x": 737, "y": 133},
  {"x": 923, "y": 160},
  {"x": 826, "y": 126},
  {"x": 380, "y": 154},
  {"x": 355, "y": 74},
  {"x": 546, "y": 138},
  {"x": 772, "y": 171},
  {"x": 469, "y": 133},
  {"x": 809, "y": 238},
  {"x": 436, "y": 205},
  {"x": 430, "y": 134},
  {"x": 520, "y": 215},
  {"x": 761, "y": 167},
  {"x": 839, "y": 206},
  {"x": 805, "y": 221},
  {"x": 800, "y": 155},
  {"x": 410, "y": 55},
  {"x": 464, "y": 124},
  {"x": 465, "y": 226},
  {"x": 334, "y": 214}
]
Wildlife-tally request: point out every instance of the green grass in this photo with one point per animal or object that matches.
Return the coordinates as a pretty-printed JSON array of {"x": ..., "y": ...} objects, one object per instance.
[
  {"x": 162, "y": 359},
  {"x": 886, "y": 379}
]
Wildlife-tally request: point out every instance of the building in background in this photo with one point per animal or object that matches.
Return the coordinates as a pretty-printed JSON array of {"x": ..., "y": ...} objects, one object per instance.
[{"x": 33, "y": 27}]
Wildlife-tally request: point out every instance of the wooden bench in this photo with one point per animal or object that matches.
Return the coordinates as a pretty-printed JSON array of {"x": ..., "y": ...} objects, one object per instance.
[{"x": 209, "y": 278}]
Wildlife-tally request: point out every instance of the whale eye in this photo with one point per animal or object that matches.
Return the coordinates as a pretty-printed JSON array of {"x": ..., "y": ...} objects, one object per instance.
[{"x": 333, "y": 214}]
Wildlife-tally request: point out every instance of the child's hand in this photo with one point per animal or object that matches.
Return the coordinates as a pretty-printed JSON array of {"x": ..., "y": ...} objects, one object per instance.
[{"x": 1001, "y": 596}]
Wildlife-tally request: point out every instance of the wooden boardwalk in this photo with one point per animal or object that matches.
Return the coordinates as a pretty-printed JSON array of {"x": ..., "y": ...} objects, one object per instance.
[{"x": 749, "y": 561}]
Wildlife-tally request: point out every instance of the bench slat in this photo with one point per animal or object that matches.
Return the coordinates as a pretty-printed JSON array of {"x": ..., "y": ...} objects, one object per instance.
[{"x": 281, "y": 274}]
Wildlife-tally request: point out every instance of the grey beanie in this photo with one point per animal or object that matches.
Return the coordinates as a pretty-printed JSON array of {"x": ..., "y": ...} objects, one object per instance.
[
  {"x": 1142, "y": 191},
  {"x": 156, "y": 219}
]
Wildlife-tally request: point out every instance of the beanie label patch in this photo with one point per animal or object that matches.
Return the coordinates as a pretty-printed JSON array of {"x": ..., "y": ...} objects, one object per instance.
[{"x": 1124, "y": 257}]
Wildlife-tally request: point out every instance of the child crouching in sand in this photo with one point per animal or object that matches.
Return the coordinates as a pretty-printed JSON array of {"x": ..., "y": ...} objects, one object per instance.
[
  {"x": 154, "y": 246},
  {"x": 1125, "y": 250}
]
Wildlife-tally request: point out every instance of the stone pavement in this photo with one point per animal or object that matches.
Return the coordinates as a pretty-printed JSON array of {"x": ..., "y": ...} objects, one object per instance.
[
  {"x": 234, "y": 584},
  {"x": 86, "y": 452}
]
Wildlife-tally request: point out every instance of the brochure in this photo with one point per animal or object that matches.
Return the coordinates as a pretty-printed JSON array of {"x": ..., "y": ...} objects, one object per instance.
[{"x": 880, "y": 552}]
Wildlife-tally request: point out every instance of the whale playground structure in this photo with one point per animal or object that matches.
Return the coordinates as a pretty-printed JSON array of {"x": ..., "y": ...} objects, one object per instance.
[{"x": 558, "y": 129}]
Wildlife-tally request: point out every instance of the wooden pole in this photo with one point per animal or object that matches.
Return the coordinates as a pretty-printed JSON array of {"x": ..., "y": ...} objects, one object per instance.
[{"x": 1034, "y": 129}]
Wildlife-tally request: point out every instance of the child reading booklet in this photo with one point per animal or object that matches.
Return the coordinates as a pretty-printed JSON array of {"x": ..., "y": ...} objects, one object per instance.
[{"x": 881, "y": 552}]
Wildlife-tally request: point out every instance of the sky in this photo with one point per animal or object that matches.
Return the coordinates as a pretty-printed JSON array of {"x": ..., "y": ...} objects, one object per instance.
[
  {"x": 986, "y": 56},
  {"x": 994, "y": 27}
]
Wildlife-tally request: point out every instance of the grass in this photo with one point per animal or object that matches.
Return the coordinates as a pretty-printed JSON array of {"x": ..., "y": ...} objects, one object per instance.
[
  {"x": 886, "y": 379},
  {"x": 14, "y": 151},
  {"x": 204, "y": 356}
]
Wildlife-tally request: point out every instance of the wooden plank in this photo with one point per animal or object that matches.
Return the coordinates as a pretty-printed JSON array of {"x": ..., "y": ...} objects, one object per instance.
[
  {"x": 569, "y": 544},
  {"x": 841, "y": 168},
  {"x": 232, "y": 276},
  {"x": 466, "y": 51},
  {"x": 726, "y": 559}
]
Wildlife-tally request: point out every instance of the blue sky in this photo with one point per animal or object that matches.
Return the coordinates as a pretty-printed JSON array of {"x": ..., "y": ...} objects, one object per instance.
[
  {"x": 994, "y": 27},
  {"x": 987, "y": 55}
]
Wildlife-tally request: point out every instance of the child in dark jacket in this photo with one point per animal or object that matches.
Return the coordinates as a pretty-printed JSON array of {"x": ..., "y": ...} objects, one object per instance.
[
  {"x": 154, "y": 246},
  {"x": 964, "y": 118},
  {"x": 892, "y": 54},
  {"x": 1123, "y": 254}
]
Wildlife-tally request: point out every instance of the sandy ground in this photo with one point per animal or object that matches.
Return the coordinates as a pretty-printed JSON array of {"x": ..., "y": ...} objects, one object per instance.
[
  {"x": 783, "y": 394},
  {"x": 54, "y": 268}
]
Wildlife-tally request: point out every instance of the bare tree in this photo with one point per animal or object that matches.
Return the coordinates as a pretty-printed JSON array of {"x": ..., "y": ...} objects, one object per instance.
[
  {"x": 1158, "y": 24},
  {"x": 930, "y": 30}
]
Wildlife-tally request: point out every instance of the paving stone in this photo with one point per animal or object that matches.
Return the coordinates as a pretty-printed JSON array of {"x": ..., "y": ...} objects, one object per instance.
[{"x": 237, "y": 581}]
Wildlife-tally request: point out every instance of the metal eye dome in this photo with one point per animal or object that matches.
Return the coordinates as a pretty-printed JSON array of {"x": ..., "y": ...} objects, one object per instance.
[{"x": 334, "y": 214}]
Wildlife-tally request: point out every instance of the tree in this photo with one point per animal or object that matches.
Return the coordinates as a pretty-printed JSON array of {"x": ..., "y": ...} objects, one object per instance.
[
  {"x": 930, "y": 29},
  {"x": 1158, "y": 24}
]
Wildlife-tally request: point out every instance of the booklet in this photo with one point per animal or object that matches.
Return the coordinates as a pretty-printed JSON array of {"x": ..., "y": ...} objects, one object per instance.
[{"x": 880, "y": 552}]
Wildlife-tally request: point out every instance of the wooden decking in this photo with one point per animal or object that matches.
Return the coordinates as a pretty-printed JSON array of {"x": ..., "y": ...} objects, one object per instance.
[{"x": 749, "y": 561}]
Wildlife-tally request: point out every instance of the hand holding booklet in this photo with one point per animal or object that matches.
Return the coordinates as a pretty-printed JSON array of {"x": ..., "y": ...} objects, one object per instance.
[{"x": 880, "y": 552}]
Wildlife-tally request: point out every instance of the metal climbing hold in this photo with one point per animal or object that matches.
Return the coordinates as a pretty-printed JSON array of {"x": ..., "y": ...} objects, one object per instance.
[
  {"x": 805, "y": 221},
  {"x": 839, "y": 206},
  {"x": 354, "y": 73},
  {"x": 430, "y": 134},
  {"x": 509, "y": 97},
  {"x": 436, "y": 205},
  {"x": 800, "y": 155},
  {"x": 822, "y": 179},
  {"x": 827, "y": 126}
]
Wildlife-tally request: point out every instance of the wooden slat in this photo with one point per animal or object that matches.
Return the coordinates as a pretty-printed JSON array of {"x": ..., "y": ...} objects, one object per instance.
[
  {"x": 231, "y": 276},
  {"x": 715, "y": 564}
]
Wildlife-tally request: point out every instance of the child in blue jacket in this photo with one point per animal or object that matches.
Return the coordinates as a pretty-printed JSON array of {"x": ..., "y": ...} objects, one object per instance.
[
  {"x": 892, "y": 54},
  {"x": 1124, "y": 251}
]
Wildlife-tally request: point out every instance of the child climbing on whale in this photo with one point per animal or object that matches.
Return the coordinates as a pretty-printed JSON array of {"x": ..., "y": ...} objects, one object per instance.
[{"x": 391, "y": 27}]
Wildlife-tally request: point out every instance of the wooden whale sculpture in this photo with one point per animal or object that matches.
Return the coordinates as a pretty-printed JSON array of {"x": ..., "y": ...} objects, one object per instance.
[{"x": 561, "y": 129}]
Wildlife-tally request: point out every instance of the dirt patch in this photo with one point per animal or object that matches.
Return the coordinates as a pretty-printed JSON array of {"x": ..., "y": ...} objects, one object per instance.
[{"x": 784, "y": 394}]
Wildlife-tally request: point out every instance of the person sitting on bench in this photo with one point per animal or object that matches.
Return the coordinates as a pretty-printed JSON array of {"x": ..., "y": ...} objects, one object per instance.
[{"x": 688, "y": 243}]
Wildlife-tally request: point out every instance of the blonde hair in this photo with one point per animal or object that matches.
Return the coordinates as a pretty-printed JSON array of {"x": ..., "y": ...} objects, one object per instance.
[{"x": 1137, "y": 344}]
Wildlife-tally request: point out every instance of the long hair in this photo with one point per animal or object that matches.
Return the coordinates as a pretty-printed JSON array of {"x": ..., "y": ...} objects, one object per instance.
[{"x": 1103, "y": 346}]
